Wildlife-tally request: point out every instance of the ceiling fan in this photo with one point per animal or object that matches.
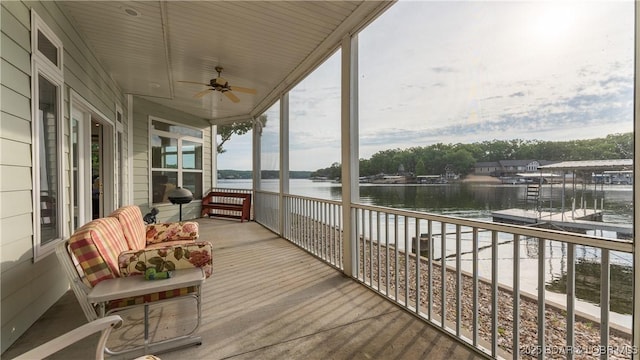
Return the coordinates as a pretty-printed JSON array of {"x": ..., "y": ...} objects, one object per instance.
[{"x": 220, "y": 84}]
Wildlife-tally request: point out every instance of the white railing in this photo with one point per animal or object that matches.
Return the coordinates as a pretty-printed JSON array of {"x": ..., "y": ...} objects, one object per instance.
[
  {"x": 316, "y": 226},
  {"x": 492, "y": 303},
  {"x": 267, "y": 209}
]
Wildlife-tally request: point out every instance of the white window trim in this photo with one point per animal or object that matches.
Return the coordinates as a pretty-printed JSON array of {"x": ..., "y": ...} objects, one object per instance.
[
  {"x": 119, "y": 158},
  {"x": 41, "y": 65},
  {"x": 179, "y": 169}
]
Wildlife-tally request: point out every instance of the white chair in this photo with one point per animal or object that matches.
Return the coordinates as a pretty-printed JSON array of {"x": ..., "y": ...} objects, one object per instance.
[{"x": 105, "y": 324}]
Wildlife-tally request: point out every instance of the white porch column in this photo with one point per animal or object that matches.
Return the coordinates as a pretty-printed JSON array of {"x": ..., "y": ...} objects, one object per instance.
[
  {"x": 257, "y": 133},
  {"x": 214, "y": 156},
  {"x": 349, "y": 145},
  {"x": 284, "y": 159}
]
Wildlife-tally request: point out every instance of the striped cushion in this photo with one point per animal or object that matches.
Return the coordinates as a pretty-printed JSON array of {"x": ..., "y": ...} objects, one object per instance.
[
  {"x": 134, "y": 228},
  {"x": 96, "y": 246}
]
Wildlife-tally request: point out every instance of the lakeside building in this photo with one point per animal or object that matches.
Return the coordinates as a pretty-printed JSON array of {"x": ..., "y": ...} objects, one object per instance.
[{"x": 508, "y": 167}]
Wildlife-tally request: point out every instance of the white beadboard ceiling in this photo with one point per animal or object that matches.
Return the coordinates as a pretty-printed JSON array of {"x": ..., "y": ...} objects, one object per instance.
[{"x": 265, "y": 45}]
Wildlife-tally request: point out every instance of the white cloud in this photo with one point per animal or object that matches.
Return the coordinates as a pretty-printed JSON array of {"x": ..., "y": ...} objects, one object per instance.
[{"x": 471, "y": 71}]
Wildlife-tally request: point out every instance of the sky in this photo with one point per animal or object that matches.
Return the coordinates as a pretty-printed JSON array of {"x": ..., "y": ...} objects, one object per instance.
[{"x": 461, "y": 72}]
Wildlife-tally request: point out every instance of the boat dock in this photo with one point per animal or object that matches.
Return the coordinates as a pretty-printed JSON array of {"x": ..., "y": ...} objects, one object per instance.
[{"x": 582, "y": 220}]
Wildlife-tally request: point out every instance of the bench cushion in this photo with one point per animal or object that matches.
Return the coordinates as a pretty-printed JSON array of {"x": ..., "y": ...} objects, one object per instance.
[{"x": 96, "y": 246}]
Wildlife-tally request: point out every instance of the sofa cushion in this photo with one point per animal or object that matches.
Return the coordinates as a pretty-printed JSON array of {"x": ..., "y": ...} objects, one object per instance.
[
  {"x": 133, "y": 227},
  {"x": 96, "y": 246},
  {"x": 167, "y": 258},
  {"x": 167, "y": 232}
]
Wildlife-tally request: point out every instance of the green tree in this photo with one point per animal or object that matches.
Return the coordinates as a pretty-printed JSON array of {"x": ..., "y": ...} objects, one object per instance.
[
  {"x": 420, "y": 169},
  {"x": 462, "y": 161},
  {"x": 227, "y": 131}
]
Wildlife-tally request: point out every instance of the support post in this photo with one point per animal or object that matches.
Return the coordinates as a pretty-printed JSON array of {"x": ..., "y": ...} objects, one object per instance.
[
  {"x": 257, "y": 135},
  {"x": 214, "y": 156},
  {"x": 349, "y": 145},
  {"x": 284, "y": 160}
]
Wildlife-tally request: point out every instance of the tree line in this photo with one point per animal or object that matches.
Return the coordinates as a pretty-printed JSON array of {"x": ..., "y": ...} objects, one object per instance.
[{"x": 461, "y": 158}]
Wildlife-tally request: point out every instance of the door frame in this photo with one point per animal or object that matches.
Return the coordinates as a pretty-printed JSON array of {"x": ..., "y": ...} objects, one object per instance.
[{"x": 85, "y": 113}]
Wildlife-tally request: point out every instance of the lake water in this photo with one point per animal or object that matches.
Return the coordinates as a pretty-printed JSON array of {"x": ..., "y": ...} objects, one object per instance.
[{"x": 477, "y": 201}]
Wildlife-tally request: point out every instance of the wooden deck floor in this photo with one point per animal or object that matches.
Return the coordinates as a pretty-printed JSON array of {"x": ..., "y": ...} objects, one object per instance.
[{"x": 267, "y": 299}]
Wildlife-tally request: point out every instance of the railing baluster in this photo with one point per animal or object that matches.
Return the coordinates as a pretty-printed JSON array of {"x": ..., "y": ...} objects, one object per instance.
[
  {"x": 364, "y": 248},
  {"x": 541, "y": 299},
  {"x": 494, "y": 293},
  {"x": 370, "y": 248},
  {"x": 378, "y": 236},
  {"x": 458, "y": 279},
  {"x": 407, "y": 249},
  {"x": 418, "y": 271},
  {"x": 515, "y": 344},
  {"x": 430, "y": 267},
  {"x": 571, "y": 300},
  {"x": 316, "y": 229},
  {"x": 332, "y": 234},
  {"x": 298, "y": 221},
  {"x": 386, "y": 243},
  {"x": 443, "y": 273},
  {"x": 357, "y": 240},
  {"x": 395, "y": 225},
  {"x": 325, "y": 233},
  {"x": 605, "y": 291},
  {"x": 340, "y": 236}
]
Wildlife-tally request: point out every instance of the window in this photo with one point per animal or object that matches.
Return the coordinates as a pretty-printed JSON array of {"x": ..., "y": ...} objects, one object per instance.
[
  {"x": 176, "y": 159},
  {"x": 47, "y": 82}
]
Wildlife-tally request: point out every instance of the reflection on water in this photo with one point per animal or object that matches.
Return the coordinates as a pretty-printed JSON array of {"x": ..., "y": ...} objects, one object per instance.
[
  {"x": 477, "y": 201},
  {"x": 588, "y": 285}
]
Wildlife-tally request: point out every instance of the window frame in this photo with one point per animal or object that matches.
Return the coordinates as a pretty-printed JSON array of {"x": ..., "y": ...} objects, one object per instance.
[
  {"x": 53, "y": 73},
  {"x": 179, "y": 168},
  {"x": 119, "y": 157}
]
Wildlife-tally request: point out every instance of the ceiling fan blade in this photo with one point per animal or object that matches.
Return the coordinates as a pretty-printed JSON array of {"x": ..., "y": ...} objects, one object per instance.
[
  {"x": 193, "y": 82},
  {"x": 243, "y": 90},
  {"x": 202, "y": 93},
  {"x": 231, "y": 96}
]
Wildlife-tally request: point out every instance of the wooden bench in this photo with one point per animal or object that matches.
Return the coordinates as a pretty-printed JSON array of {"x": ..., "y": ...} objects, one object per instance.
[{"x": 227, "y": 204}]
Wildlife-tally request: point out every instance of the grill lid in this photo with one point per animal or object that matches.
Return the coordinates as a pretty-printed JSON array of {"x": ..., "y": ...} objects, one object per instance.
[{"x": 180, "y": 196}]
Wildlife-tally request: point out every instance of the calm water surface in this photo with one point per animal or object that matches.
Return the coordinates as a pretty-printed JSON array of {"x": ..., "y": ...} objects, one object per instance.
[{"x": 477, "y": 201}]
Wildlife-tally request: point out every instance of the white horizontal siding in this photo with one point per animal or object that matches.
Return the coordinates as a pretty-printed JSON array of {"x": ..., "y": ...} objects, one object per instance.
[
  {"x": 14, "y": 153},
  {"x": 28, "y": 289},
  {"x": 13, "y": 77},
  {"x": 15, "y": 128},
  {"x": 40, "y": 286},
  {"x": 14, "y": 203}
]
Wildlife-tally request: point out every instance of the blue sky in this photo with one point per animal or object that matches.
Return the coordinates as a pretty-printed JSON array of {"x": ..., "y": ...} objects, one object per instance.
[{"x": 454, "y": 72}]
